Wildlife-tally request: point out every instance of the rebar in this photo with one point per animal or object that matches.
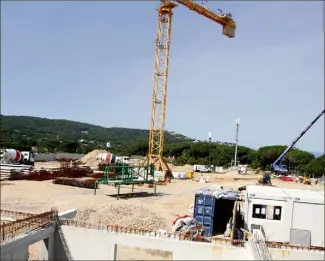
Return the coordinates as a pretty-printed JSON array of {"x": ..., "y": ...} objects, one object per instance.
[
  {"x": 15, "y": 214},
  {"x": 17, "y": 228}
]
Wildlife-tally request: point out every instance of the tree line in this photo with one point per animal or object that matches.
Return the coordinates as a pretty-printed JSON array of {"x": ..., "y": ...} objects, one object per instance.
[{"x": 204, "y": 153}]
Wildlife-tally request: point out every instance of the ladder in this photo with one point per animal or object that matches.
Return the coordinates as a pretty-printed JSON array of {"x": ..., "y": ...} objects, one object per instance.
[{"x": 257, "y": 247}]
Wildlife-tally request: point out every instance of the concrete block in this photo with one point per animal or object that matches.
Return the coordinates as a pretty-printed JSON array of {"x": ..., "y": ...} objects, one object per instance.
[{"x": 71, "y": 213}]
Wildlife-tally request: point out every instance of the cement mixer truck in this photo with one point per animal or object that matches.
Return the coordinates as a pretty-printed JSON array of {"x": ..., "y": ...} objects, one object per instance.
[
  {"x": 109, "y": 158},
  {"x": 12, "y": 156}
]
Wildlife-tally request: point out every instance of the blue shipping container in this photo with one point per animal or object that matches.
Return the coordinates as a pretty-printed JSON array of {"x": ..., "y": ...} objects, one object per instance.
[{"x": 204, "y": 209}]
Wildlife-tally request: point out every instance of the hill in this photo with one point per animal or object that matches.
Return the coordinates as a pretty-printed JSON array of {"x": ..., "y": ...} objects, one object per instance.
[
  {"x": 35, "y": 129},
  {"x": 22, "y": 132}
]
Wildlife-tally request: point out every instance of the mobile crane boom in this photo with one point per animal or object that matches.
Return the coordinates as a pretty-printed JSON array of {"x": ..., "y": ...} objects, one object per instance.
[
  {"x": 276, "y": 165},
  {"x": 159, "y": 93}
]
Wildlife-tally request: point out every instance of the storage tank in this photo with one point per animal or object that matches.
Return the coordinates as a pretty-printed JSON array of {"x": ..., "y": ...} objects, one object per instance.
[
  {"x": 107, "y": 158},
  {"x": 12, "y": 155}
]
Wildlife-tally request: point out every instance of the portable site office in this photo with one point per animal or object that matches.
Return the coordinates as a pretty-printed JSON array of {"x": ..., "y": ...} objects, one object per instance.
[{"x": 292, "y": 216}]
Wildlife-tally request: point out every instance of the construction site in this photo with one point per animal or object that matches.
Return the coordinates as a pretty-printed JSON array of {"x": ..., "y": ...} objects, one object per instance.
[
  {"x": 109, "y": 207},
  {"x": 52, "y": 211}
]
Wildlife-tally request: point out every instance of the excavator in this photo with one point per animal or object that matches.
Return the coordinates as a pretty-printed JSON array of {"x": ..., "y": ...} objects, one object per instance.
[
  {"x": 277, "y": 165},
  {"x": 265, "y": 179}
]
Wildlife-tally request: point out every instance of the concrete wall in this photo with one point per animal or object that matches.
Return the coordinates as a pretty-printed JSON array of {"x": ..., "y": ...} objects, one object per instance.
[
  {"x": 20, "y": 253},
  {"x": 54, "y": 156},
  {"x": 290, "y": 254},
  {"x": 103, "y": 246},
  {"x": 90, "y": 244},
  {"x": 52, "y": 248},
  {"x": 17, "y": 250}
]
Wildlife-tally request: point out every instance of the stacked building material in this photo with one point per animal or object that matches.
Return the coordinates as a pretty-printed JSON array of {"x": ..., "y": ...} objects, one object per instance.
[
  {"x": 7, "y": 170},
  {"x": 76, "y": 182},
  {"x": 43, "y": 174}
]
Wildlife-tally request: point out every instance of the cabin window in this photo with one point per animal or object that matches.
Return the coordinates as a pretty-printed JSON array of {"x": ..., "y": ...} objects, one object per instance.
[
  {"x": 277, "y": 213},
  {"x": 267, "y": 212},
  {"x": 259, "y": 211}
]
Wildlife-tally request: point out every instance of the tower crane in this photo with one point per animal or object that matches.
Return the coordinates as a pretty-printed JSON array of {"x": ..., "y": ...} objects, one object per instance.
[{"x": 158, "y": 103}]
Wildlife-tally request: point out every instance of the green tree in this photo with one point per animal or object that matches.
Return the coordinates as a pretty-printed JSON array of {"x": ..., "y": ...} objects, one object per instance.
[
  {"x": 70, "y": 146},
  {"x": 317, "y": 166}
]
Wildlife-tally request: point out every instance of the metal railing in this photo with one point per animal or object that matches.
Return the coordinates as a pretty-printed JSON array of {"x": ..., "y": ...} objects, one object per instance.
[{"x": 256, "y": 245}]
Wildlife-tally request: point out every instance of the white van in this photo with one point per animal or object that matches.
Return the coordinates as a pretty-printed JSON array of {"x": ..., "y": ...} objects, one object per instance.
[{"x": 201, "y": 168}]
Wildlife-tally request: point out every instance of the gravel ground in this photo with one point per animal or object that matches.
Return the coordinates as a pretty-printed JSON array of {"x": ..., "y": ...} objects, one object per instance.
[
  {"x": 149, "y": 213},
  {"x": 127, "y": 215}
]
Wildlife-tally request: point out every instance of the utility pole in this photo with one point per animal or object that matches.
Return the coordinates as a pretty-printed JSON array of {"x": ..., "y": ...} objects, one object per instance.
[
  {"x": 210, "y": 135},
  {"x": 236, "y": 146}
]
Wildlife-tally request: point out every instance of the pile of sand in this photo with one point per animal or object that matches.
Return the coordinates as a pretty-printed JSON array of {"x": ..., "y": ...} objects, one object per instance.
[{"x": 90, "y": 159}]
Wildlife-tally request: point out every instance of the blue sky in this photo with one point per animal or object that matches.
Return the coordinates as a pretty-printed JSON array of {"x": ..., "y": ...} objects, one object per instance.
[{"x": 93, "y": 62}]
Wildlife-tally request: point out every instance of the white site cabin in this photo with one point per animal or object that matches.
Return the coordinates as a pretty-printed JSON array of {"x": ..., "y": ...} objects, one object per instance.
[{"x": 294, "y": 216}]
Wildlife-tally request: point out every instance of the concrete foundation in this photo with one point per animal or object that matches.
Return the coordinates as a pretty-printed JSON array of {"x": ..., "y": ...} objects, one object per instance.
[
  {"x": 103, "y": 245},
  {"x": 69, "y": 241},
  {"x": 17, "y": 249}
]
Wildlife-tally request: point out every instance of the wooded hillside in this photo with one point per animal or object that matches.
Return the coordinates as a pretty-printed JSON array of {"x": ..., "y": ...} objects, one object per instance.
[{"x": 21, "y": 132}]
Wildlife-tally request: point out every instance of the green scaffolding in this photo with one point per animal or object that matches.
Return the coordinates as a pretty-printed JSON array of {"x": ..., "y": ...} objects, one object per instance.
[{"x": 124, "y": 174}]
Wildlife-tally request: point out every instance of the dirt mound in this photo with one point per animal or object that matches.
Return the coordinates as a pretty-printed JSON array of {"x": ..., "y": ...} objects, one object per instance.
[
  {"x": 90, "y": 158},
  {"x": 126, "y": 215}
]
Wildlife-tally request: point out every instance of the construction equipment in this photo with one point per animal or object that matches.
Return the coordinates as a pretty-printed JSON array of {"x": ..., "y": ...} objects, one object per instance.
[
  {"x": 109, "y": 158},
  {"x": 118, "y": 174},
  {"x": 277, "y": 165},
  {"x": 265, "y": 179},
  {"x": 12, "y": 156},
  {"x": 305, "y": 180},
  {"x": 158, "y": 104}
]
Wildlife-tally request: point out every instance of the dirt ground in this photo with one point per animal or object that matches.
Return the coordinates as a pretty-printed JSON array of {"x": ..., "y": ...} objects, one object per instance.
[{"x": 173, "y": 199}]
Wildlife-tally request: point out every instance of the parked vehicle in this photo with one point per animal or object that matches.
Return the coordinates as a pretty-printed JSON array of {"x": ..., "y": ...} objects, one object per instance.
[
  {"x": 12, "y": 156},
  {"x": 201, "y": 168}
]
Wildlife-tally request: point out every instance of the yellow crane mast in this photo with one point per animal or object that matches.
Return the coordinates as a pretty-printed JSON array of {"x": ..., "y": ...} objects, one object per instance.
[{"x": 158, "y": 104}]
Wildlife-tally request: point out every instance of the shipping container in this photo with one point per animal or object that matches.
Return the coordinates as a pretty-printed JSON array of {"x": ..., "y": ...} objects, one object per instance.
[
  {"x": 213, "y": 213},
  {"x": 204, "y": 208}
]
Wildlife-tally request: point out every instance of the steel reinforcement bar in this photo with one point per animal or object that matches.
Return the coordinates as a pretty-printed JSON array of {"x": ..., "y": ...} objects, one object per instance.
[
  {"x": 16, "y": 228},
  {"x": 15, "y": 214}
]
